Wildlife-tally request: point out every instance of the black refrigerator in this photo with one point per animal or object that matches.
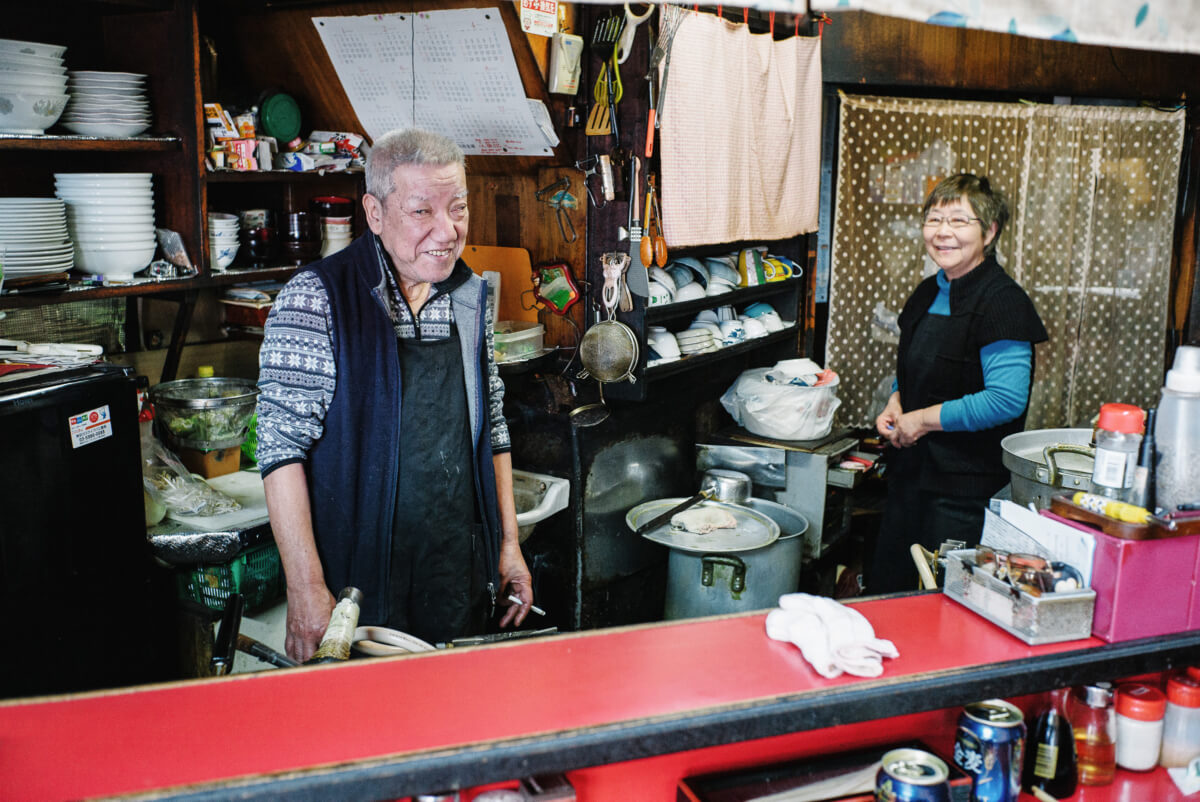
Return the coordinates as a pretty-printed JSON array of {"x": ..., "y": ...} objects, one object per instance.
[{"x": 84, "y": 605}]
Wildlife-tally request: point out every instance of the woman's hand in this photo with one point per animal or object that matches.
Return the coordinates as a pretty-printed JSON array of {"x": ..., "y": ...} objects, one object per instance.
[
  {"x": 885, "y": 424},
  {"x": 912, "y": 426}
]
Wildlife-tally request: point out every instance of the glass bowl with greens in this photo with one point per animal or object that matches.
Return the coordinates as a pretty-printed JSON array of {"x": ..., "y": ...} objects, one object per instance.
[{"x": 204, "y": 414}]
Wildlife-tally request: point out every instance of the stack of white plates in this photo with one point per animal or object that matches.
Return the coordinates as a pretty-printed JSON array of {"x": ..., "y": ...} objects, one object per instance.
[
  {"x": 110, "y": 216},
  {"x": 107, "y": 103},
  {"x": 33, "y": 237},
  {"x": 33, "y": 86}
]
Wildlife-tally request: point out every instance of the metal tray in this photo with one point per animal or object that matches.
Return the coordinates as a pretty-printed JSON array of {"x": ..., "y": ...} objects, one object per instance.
[
  {"x": 1035, "y": 620},
  {"x": 754, "y": 530}
]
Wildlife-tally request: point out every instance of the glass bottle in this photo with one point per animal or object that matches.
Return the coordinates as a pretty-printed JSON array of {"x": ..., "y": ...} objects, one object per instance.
[
  {"x": 1050, "y": 763},
  {"x": 1118, "y": 438},
  {"x": 339, "y": 635},
  {"x": 1095, "y": 725},
  {"x": 1177, "y": 432},
  {"x": 1181, "y": 721}
]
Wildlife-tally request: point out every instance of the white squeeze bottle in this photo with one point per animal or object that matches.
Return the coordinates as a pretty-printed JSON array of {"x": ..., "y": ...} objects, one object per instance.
[{"x": 1177, "y": 432}]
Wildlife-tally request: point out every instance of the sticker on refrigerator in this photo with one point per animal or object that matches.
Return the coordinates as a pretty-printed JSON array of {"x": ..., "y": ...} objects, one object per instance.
[{"x": 88, "y": 427}]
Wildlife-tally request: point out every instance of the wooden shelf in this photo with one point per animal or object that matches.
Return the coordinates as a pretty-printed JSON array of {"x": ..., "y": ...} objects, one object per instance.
[
  {"x": 78, "y": 142},
  {"x": 278, "y": 176},
  {"x": 659, "y": 314},
  {"x": 689, "y": 363}
]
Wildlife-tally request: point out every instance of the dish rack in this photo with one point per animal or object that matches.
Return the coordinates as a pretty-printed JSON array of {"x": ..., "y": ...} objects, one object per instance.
[{"x": 256, "y": 573}]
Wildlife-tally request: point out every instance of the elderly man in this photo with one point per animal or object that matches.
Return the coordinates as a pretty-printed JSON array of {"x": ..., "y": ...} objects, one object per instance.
[{"x": 382, "y": 442}]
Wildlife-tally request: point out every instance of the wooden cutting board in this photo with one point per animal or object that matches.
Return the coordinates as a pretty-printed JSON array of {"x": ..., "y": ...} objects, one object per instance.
[{"x": 516, "y": 277}]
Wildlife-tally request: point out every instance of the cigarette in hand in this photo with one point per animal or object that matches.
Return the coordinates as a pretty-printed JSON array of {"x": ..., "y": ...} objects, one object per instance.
[{"x": 512, "y": 597}]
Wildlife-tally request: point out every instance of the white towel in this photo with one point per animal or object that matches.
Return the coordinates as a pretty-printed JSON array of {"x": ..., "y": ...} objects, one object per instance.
[{"x": 833, "y": 638}]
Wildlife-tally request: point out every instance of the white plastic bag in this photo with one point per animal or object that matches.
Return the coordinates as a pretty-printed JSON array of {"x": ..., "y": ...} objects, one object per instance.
[{"x": 781, "y": 411}]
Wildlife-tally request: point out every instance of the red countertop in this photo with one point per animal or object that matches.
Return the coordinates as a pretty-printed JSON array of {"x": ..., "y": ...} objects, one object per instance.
[{"x": 387, "y": 708}]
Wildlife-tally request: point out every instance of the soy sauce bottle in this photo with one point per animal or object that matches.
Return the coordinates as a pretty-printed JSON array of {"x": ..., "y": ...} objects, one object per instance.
[{"x": 1050, "y": 762}]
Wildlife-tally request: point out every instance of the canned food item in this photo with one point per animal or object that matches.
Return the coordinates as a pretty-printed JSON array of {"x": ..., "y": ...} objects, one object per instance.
[
  {"x": 990, "y": 747},
  {"x": 912, "y": 775}
]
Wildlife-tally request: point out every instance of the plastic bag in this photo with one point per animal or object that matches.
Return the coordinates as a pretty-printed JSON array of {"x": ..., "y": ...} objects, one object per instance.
[
  {"x": 171, "y": 484},
  {"x": 781, "y": 411}
]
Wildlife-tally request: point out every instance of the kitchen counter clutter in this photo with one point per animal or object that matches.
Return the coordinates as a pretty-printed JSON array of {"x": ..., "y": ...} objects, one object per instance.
[{"x": 591, "y": 699}]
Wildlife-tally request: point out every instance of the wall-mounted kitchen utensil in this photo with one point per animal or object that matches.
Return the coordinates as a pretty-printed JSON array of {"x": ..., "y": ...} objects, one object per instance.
[
  {"x": 629, "y": 31},
  {"x": 639, "y": 281},
  {"x": 558, "y": 197}
]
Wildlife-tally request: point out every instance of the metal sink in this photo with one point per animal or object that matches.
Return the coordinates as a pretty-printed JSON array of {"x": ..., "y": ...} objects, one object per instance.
[{"x": 538, "y": 496}]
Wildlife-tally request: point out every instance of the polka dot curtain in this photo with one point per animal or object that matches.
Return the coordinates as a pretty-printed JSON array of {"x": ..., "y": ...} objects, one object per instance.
[{"x": 1092, "y": 195}]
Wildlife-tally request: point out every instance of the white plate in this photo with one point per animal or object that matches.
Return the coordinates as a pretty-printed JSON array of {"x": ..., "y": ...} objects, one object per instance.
[
  {"x": 100, "y": 176},
  {"x": 111, "y": 76},
  {"x": 42, "y": 271},
  {"x": 106, "y": 129},
  {"x": 104, "y": 118}
]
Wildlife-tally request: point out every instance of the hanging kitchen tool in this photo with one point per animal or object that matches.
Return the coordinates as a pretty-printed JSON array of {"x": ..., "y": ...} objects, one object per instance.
[
  {"x": 609, "y": 349},
  {"x": 670, "y": 18},
  {"x": 607, "y": 90},
  {"x": 639, "y": 280},
  {"x": 652, "y": 95},
  {"x": 629, "y": 31},
  {"x": 654, "y": 245},
  {"x": 557, "y": 197},
  {"x": 554, "y": 287},
  {"x": 598, "y": 165}
]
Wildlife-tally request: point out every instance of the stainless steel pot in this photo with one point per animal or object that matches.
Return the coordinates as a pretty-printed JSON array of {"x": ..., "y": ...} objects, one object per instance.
[
  {"x": 731, "y": 582},
  {"x": 1048, "y": 462},
  {"x": 725, "y": 485}
]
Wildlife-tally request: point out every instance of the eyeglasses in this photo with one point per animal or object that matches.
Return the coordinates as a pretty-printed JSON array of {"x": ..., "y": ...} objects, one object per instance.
[{"x": 955, "y": 222}]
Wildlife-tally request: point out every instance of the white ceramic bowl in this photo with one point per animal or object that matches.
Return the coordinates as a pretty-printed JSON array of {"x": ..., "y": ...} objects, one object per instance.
[
  {"x": 114, "y": 260},
  {"x": 143, "y": 217},
  {"x": 689, "y": 292},
  {"x": 102, "y": 241},
  {"x": 99, "y": 176},
  {"x": 32, "y": 82},
  {"x": 222, "y": 256},
  {"x": 32, "y": 60},
  {"x": 114, "y": 195},
  {"x": 666, "y": 345},
  {"x": 754, "y": 328},
  {"x": 32, "y": 48},
  {"x": 102, "y": 229},
  {"x": 143, "y": 184},
  {"x": 29, "y": 112},
  {"x": 12, "y": 68}
]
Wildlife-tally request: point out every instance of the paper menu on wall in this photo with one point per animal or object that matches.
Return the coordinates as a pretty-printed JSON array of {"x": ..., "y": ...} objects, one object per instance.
[
  {"x": 448, "y": 71},
  {"x": 1023, "y": 530}
]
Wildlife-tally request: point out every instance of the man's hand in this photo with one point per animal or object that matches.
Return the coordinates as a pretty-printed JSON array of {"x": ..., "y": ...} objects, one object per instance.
[
  {"x": 308, "y": 611},
  {"x": 515, "y": 580}
]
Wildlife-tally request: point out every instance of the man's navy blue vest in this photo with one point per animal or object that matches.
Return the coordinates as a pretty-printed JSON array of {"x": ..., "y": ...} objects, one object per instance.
[{"x": 352, "y": 469}]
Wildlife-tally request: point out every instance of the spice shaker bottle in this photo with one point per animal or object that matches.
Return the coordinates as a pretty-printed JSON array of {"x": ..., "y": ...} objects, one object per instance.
[
  {"x": 1050, "y": 763},
  {"x": 1177, "y": 432},
  {"x": 1140, "y": 710},
  {"x": 1118, "y": 436},
  {"x": 1181, "y": 722},
  {"x": 339, "y": 635},
  {"x": 1095, "y": 725}
]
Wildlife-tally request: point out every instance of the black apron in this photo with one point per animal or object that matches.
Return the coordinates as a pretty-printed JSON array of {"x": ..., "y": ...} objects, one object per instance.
[
  {"x": 436, "y": 587},
  {"x": 912, "y": 515}
]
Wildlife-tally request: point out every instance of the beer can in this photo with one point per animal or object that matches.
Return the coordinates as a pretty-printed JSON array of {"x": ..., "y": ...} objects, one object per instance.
[
  {"x": 912, "y": 775},
  {"x": 990, "y": 747}
]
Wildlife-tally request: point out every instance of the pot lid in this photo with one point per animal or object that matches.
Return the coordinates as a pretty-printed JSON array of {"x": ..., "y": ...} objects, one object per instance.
[
  {"x": 1023, "y": 452},
  {"x": 754, "y": 530}
]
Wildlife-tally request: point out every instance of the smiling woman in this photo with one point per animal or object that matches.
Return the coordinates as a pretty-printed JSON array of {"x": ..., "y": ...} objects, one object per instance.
[{"x": 963, "y": 375}]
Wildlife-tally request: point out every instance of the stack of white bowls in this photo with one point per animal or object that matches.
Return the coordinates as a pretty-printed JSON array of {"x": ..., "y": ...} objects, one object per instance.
[
  {"x": 335, "y": 234},
  {"x": 33, "y": 237},
  {"x": 33, "y": 86},
  {"x": 222, "y": 239},
  {"x": 107, "y": 103},
  {"x": 110, "y": 217}
]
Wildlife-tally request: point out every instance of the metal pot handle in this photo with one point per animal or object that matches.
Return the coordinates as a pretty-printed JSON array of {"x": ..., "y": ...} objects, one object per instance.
[
  {"x": 708, "y": 562},
  {"x": 1048, "y": 454}
]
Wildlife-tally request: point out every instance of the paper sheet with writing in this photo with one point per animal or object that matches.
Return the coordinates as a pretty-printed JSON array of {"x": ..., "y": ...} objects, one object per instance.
[
  {"x": 1023, "y": 530},
  {"x": 448, "y": 71}
]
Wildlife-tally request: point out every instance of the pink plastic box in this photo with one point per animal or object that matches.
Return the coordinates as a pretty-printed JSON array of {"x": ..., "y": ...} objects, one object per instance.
[{"x": 1143, "y": 587}]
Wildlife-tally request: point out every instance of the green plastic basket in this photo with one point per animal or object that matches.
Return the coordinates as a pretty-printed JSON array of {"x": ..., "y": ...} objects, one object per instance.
[{"x": 255, "y": 573}]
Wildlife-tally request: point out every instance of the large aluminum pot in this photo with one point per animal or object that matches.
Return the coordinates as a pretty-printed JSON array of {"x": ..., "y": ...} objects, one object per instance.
[
  {"x": 1048, "y": 462},
  {"x": 733, "y": 582}
]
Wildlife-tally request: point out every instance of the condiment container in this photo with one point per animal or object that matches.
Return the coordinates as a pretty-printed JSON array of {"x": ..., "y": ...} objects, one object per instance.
[
  {"x": 1050, "y": 763},
  {"x": 1181, "y": 723},
  {"x": 1094, "y": 720},
  {"x": 1140, "y": 710},
  {"x": 1118, "y": 438},
  {"x": 1177, "y": 432},
  {"x": 339, "y": 635}
]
